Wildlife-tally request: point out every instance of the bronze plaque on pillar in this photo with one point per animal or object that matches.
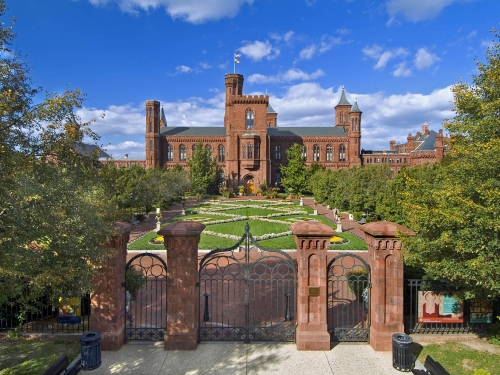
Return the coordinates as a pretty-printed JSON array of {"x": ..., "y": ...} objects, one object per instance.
[{"x": 313, "y": 291}]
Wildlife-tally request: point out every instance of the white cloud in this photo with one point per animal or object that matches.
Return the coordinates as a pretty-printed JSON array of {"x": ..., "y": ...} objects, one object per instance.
[
  {"x": 425, "y": 59},
  {"x": 385, "y": 117},
  {"x": 288, "y": 76},
  {"x": 326, "y": 43},
  {"x": 257, "y": 50},
  {"x": 416, "y": 10},
  {"x": 285, "y": 37},
  {"x": 205, "y": 65},
  {"x": 183, "y": 69},
  {"x": 376, "y": 52},
  {"x": 193, "y": 11},
  {"x": 401, "y": 70}
]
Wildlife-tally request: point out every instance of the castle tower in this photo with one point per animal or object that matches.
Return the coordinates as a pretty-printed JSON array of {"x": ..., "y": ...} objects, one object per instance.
[
  {"x": 355, "y": 134},
  {"x": 342, "y": 110},
  {"x": 152, "y": 134}
]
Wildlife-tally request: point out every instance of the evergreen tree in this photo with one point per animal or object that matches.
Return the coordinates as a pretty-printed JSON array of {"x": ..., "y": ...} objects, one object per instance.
[
  {"x": 203, "y": 170},
  {"x": 294, "y": 176}
]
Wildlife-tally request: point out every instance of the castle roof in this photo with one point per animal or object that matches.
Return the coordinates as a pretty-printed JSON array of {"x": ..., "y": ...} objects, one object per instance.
[
  {"x": 185, "y": 131},
  {"x": 428, "y": 141},
  {"x": 270, "y": 109},
  {"x": 343, "y": 99},
  {"x": 319, "y": 131},
  {"x": 355, "y": 107},
  {"x": 88, "y": 149}
]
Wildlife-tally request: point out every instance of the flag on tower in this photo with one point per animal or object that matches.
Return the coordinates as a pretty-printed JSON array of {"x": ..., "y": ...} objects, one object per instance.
[
  {"x": 236, "y": 61},
  {"x": 237, "y": 54},
  {"x": 236, "y": 57}
]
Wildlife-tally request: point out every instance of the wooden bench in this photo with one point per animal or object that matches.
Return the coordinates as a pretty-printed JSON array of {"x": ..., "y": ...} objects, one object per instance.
[
  {"x": 432, "y": 367},
  {"x": 63, "y": 367}
]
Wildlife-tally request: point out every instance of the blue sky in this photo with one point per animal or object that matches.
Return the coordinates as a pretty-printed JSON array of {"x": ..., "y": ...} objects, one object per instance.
[{"x": 399, "y": 58}]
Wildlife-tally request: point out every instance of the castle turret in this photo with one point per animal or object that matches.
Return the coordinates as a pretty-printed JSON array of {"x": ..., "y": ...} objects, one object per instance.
[
  {"x": 152, "y": 134},
  {"x": 342, "y": 110},
  {"x": 355, "y": 134}
]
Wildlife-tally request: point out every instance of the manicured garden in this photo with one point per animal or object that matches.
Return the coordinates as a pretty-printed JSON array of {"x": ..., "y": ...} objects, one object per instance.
[{"x": 269, "y": 223}]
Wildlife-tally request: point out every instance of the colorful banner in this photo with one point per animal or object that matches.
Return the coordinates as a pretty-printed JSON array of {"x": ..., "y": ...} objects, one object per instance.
[
  {"x": 69, "y": 310},
  {"x": 439, "y": 308}
]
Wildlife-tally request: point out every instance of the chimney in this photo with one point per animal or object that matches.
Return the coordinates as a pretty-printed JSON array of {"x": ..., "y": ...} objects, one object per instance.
[
  {"x": 392, "y": 145},
  {"x": 418, "y": 135}
]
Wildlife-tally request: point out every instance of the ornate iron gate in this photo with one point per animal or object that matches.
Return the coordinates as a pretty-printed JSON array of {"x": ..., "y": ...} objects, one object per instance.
[
  {"x": 247, "y": 293},
  {"x": 146, "y": 297},
  {"x": 348, "y": 299}
]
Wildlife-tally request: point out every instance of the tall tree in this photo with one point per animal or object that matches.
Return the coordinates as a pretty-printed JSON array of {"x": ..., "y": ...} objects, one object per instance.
[
  {"x": 203, "y": 170},
  {"x": 55, "y": 211},
  {"x": 294, "y": 175},
  {"x": 457, "y": 222}
]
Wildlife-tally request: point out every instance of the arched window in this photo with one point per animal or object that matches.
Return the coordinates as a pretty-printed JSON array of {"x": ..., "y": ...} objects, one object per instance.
[
  {"x": 352, "y": 124},
  {"x": 277, "y": 153},
  {"x": 194, "y": 148},
  {"x": 150, "y": 145},
  {"x": 170, "y": 153},
  {"x": 244, "y": 151},
  {"x": 347, "y": 119},
  {"x": 342, "y": 153},
  {"x": 304, "y": 152},
  {"x": 222, "y": 152},
  {"x": 315, "y": 153},
  {"x": 356, "y": 123},
  {"x": 209, "y": 150},
  {"x": 250, "y": 154},
  {"x": 256, "y": 152},
  {"x": 150, "y": 112},
  {"x": 182, "y": 153},
  {"x": 249, "y": 119},
  {"x": 329, "y": 153},
  {"x": 341, "y": 118}
]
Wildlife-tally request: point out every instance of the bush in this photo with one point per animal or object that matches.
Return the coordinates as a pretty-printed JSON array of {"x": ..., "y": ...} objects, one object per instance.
[
  {"x": 494, "y": 333},
  {"x": 140, "y": 217},
  {"x": 357, "y": 280},
  {"x": 481, "y": 372},
  {"x": 134, "y": 279}
]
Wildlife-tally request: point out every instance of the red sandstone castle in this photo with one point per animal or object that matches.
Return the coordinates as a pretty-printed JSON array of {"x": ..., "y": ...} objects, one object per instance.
[{"x": 250, "y": 147}]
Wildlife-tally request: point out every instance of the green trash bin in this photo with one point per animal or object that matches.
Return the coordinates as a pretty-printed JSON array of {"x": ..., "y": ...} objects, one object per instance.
[
  {"x": 90, "y": 349},
  {"x": 402, "y": 354}
]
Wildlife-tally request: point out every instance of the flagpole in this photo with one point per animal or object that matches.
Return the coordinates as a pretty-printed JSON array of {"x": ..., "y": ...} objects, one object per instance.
[{"x": 234, "y": 63}]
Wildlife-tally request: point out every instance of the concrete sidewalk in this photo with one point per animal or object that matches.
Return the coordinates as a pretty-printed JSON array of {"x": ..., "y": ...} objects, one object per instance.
[{"x": 239, "y": 358}]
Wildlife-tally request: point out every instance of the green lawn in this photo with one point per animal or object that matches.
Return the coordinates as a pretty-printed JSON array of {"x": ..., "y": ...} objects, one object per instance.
[
  {"x": 257, "y": 228},
  {"x": 26, "y": 356},
  {"x": 459, "y": 359}
]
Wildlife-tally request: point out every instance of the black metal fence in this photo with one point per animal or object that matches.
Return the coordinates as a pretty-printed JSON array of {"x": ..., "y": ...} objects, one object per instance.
[
  {"x": 44, "y": 316},
  {"x": 430, "y": 307}
]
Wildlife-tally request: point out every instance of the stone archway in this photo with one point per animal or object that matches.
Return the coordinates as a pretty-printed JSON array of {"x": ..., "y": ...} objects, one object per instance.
[{"x": 251, "y": 184}]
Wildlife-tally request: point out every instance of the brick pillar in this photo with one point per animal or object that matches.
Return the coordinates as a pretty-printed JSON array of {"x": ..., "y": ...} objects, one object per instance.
[
  {"x": 313, "y": 241},
  {"x": 183, "y": 305},
  {"x": 387, "y": 299},
  {"x": 107, "y": 314}
]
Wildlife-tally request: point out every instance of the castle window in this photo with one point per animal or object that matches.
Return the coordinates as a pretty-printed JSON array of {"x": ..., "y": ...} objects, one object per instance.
[
  {"x": 194, "y": 148},
  {"x": 304, "y": 152},
  {"x": 341, "y": 118},
  {"x": 150, "y": 112},
  {"x": 315, "y": 153},
  {"x": 222, "y": 151},
  {"x": 150, "y": 126},
  {"x": 277, "y": 153},
  {"x": 352, "y": 124},
  {"x": 342, "y": 153},
  {"x": 249, "y": 119},
  {"x": 150, "y": 145},
  {"x": 170, "y": 153},
  {"x": 329, "y": 153},
  {"x": 209, "y": 150},
  {"x": 278, "y": 178},
  {"x": 250, "y": 148},
  {"x": 244, "y": 151},
  {"x": 256, "y": 152},
  {"x": 347, "y": 118},
  {"x": 356, "y": 123},
  {"x": 182, "y": 153}
]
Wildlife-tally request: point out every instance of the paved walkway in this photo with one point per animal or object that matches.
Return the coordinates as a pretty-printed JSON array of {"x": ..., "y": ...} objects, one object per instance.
[{"x": 239, "y": 358}]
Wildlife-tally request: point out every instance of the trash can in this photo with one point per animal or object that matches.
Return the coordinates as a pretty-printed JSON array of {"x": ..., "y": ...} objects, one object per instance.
[
  {"x": 402, "y": 355},
  {"x": 90, "y": 349}
]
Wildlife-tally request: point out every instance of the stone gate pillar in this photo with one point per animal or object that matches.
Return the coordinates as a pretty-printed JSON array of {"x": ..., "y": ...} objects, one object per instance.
[
  {"x": 313, "y": 241},
  {"x": 107, "y": 302},
  {"x": 387, "y": 299},
  {"x": 181, "y": 242}
]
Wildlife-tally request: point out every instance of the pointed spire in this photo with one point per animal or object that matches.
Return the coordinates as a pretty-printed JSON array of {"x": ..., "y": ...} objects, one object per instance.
[
  {"x": 162, "y": 116},
  {"x": 343, "y": 99},
  {"x": 355, "y": 107}
]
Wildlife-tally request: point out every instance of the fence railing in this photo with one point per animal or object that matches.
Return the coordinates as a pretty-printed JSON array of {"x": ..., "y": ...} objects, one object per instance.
[
  {"x": 430, "y": 307},
  {"x": 44, "y": 317}
]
